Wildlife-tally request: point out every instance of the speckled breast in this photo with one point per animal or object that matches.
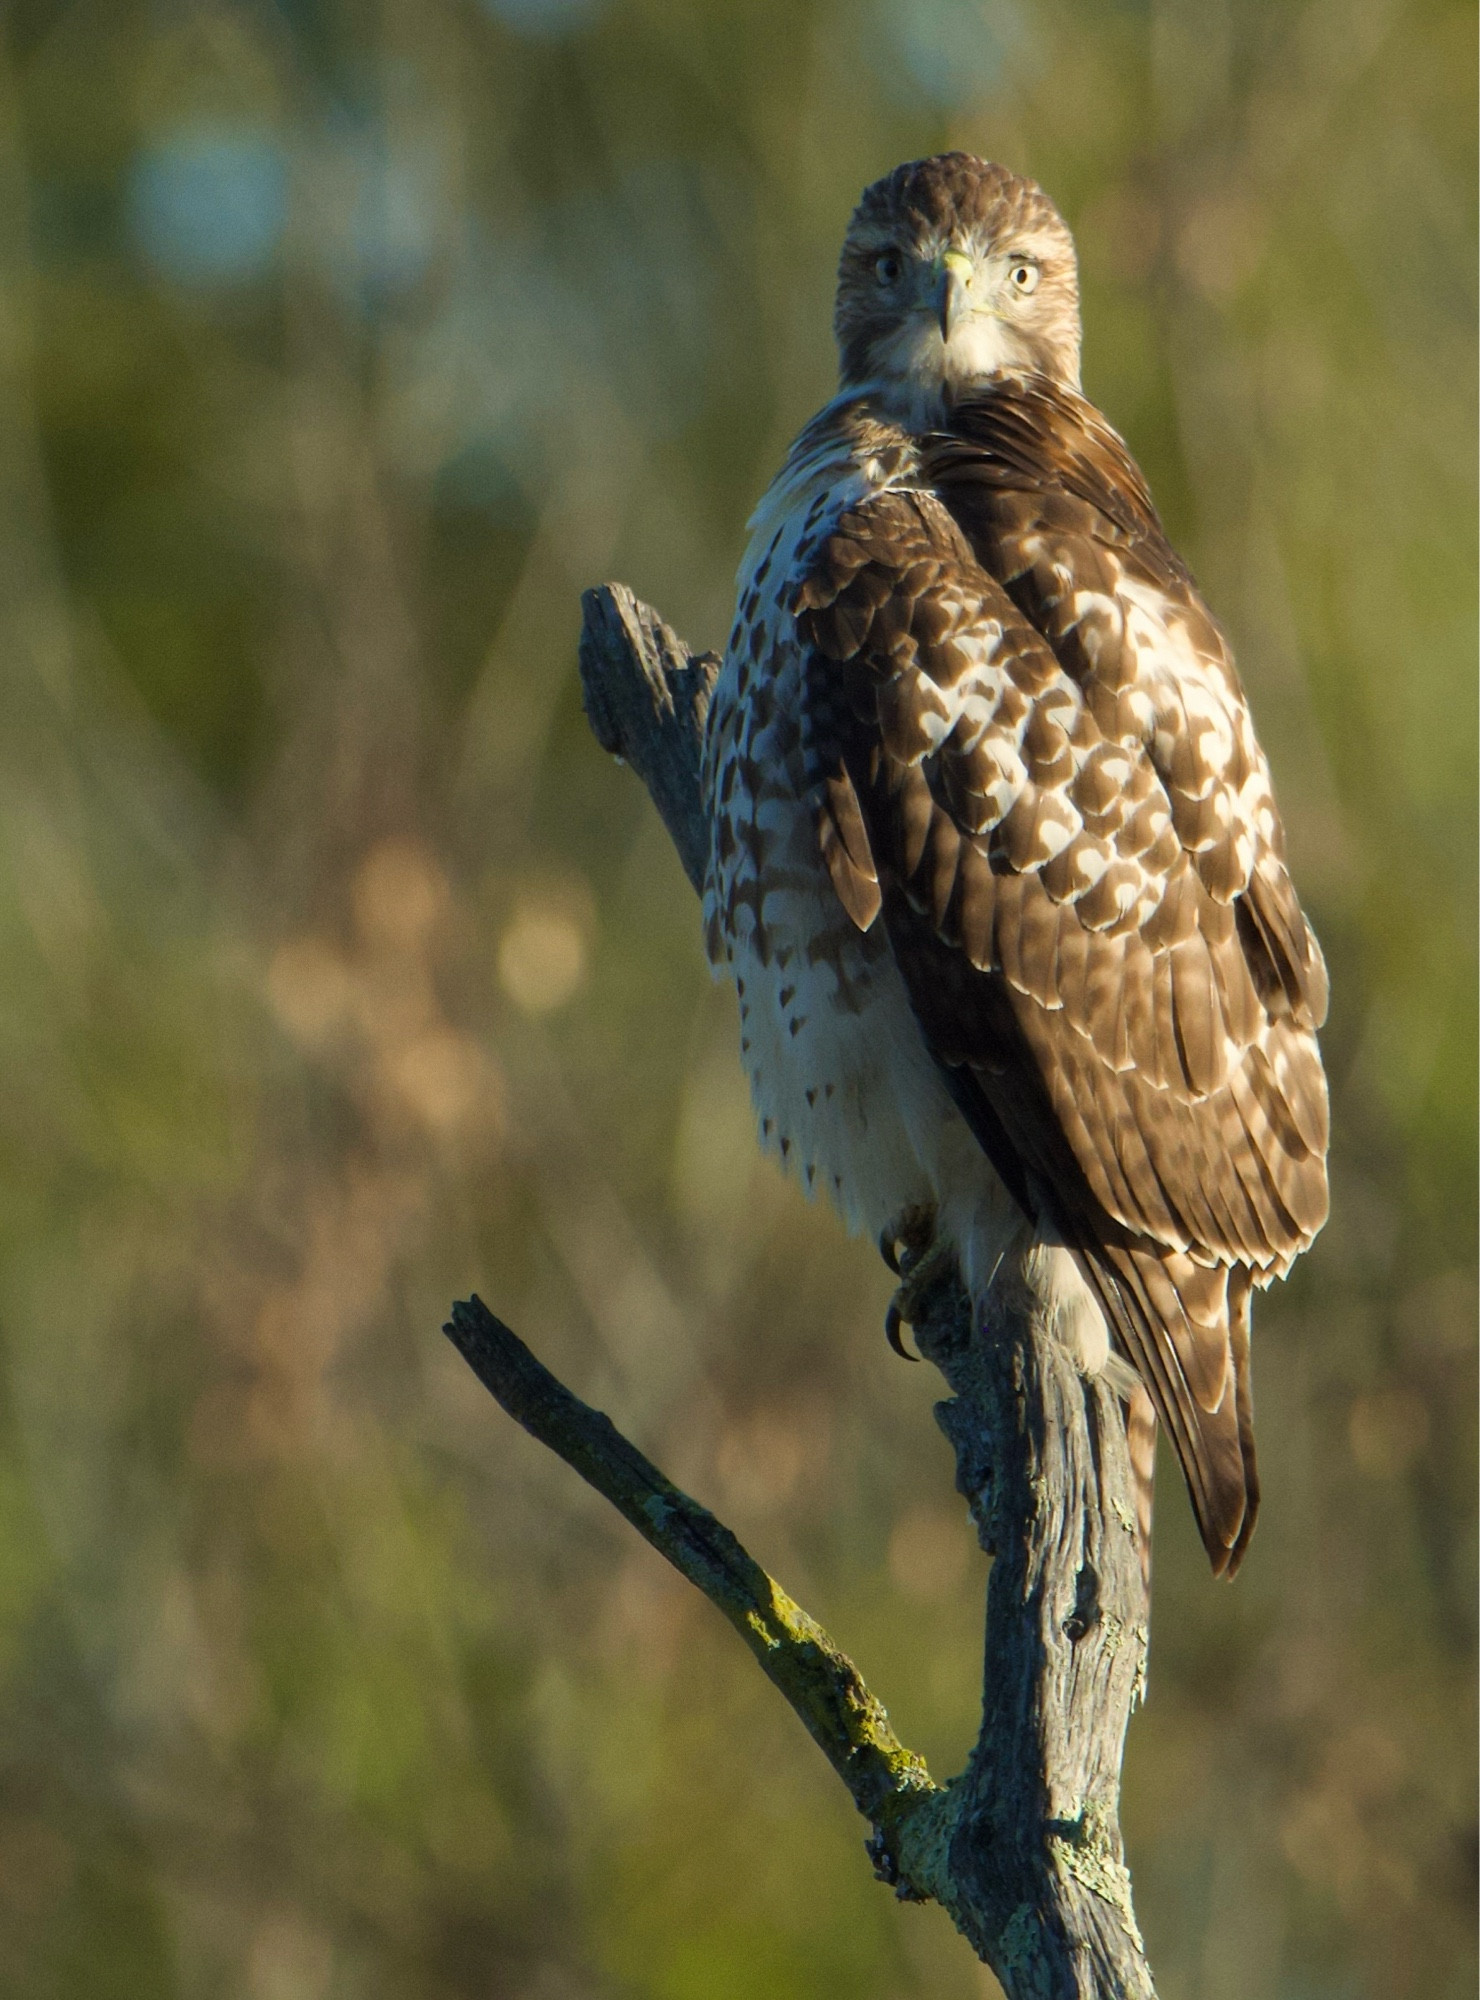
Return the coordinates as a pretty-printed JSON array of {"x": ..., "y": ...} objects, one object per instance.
[{"x": 844, "y": 1088}]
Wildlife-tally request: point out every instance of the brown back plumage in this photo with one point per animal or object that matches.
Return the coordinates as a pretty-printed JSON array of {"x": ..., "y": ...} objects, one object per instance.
[{"x": 1066, "y": 821}]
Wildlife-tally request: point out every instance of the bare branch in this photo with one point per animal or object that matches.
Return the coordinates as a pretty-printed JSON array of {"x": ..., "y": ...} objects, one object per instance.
[
  {"x": 888, "y": 1783},
  {"x": 646, "y": 698},
  {"x": 1023, "y": 1849}
]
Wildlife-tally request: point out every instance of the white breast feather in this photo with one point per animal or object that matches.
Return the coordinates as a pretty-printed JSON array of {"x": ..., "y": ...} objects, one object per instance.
[{"x": 844, "y": 1086}]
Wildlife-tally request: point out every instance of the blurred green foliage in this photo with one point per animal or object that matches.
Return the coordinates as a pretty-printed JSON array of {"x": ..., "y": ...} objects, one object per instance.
[{"x": 340, "y": 346}]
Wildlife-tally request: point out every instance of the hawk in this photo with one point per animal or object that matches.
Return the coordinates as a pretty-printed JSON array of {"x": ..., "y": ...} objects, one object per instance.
[{"x": 995, "y": 863}]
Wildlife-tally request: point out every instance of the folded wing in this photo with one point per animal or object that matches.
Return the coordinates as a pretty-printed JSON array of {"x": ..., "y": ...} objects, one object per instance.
[{"x": 1102, "y": 998}]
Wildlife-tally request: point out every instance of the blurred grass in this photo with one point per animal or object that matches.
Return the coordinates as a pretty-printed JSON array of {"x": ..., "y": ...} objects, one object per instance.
[{"x": 340, "y": 346}]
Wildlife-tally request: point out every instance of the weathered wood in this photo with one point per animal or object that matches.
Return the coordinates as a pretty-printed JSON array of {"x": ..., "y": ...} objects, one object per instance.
[
  {"x": 1023, "y": 1849},
  {"x": 1038, "y": 1880},
  {"x": 646, "y": 698},
  {"x": 889, "y": 1784}
]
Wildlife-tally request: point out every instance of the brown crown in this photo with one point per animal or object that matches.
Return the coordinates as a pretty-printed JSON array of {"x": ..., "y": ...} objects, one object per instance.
[{"x": 955, "y": 191}]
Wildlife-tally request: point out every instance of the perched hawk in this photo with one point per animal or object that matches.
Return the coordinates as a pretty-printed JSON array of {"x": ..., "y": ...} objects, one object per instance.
[{"x": 995, "y": 863}]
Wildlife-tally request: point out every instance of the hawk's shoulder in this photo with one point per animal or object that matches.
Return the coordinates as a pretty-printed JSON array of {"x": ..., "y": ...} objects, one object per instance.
[{"x": 1026, "y": 446}]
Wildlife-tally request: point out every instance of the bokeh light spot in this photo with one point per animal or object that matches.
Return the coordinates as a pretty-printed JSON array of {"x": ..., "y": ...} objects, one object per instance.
[
  {"x": 310, "y": 989},
  {"x": 545, "y": 20},
  {"x": 445, "y": 1078},
  {"x": 764, "y": 1454},
  {"x": 951, "y": 51},
  {"x": 541, "y": 959},
  {"x": 208, "y": 204},
  {"x": 291, "y": 1958},
  {"x": 929, "y": 1551},
  {"x": 398, "y": 894}
]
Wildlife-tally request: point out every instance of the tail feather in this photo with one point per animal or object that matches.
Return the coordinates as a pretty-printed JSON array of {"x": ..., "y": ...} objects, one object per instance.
[
  {"x": 1240, "y": 1296},
  {"x": 1214, "y": 1445},
  {"x": 1191, "y": 1352},
  {"x": 1140, "y": 1438}
]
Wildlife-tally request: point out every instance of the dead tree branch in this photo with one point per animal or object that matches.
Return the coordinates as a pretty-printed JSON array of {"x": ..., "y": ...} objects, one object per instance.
[
  {"x": 1023, "y": 1849},
  {"x": 889, "y": 1784}
]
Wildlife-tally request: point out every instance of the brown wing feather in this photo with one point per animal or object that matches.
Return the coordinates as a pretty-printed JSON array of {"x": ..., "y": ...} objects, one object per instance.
[
  {"x": 1145, "y": 1048},
  {"x": 845, "y": 850}
]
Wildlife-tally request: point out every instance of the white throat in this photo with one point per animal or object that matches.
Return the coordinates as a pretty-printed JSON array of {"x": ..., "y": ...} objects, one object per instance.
[{"x": 921, "y": 375}]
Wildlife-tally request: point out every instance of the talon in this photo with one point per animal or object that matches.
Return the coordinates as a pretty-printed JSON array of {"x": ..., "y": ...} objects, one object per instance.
[
  {"x": 893, "y": 1322},
  {"x": 924, "y": 1263},
  {"x": 905, "y": 1240}
]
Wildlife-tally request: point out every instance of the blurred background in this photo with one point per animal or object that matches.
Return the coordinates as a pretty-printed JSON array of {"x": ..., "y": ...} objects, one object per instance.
[{"x": 341, "y": 345}]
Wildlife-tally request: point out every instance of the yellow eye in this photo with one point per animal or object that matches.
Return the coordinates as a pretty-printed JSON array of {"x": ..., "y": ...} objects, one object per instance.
[
  {"x": 887, "y": 267},
  {"x": 1023, "y": 277}
]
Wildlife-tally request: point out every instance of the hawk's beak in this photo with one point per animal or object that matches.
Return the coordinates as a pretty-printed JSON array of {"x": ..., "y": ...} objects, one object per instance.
[{"x": 952, "y": 298}]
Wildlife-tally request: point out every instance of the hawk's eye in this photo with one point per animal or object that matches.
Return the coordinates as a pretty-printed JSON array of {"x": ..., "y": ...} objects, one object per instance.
[
  {"x": 1023, "y": 277},
  {"x": 887, "y": 267}
]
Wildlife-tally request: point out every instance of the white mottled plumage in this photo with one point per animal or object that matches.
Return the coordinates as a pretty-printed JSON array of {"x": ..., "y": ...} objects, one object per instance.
[{"x": 846, "y": 1091}]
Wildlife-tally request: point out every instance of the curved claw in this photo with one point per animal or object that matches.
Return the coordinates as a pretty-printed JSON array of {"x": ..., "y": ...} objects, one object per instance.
[
  {"x": 889, "y": 1250},
  {"x": 893, "y": 1322}
]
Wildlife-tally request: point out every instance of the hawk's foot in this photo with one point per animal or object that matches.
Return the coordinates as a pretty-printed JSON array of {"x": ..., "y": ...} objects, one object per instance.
[
  {"x": 910, "y": 1247},
  {"x": 908, "y": 1237}
]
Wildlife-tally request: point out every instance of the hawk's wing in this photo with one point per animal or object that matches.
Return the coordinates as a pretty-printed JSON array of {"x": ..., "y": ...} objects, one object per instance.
[{"x": 1139, "y": 1039}]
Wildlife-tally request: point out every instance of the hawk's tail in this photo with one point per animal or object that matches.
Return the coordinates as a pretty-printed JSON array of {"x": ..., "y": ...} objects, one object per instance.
[
  {"x": 1185, "y": 1329},
  {"x": 1140, "y": 1438}
]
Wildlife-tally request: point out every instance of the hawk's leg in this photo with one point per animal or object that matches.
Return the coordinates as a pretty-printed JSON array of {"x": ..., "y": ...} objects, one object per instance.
[{"x": 911, "y": 1249}]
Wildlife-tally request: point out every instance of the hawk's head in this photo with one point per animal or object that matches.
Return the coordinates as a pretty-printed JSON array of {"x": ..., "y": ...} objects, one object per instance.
[{"x": 954, "y": 270}]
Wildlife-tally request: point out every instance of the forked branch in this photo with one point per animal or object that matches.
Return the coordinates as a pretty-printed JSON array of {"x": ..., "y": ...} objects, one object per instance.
[{"x": 1023, "y": 1849}]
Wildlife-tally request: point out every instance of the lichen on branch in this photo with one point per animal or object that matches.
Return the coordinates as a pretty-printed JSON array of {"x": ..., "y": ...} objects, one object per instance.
[{"x": 888, "y": 1783}]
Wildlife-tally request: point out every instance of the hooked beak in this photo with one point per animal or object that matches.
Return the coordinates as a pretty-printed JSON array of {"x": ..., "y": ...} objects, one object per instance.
[{"x": 952, "y": 299}]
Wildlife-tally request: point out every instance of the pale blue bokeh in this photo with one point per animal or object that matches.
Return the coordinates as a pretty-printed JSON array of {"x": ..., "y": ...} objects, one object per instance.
[
  {"x": 208, "y": 203},
  {"x": 374, "y": 210},
  {"x": 545, "y": 20},
  {"x": 951, "y": 52},
  {"x": 394, "y": 226}
]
